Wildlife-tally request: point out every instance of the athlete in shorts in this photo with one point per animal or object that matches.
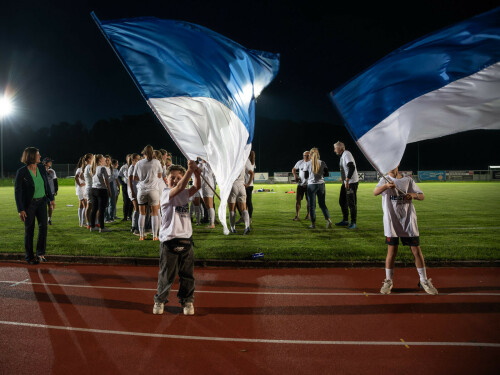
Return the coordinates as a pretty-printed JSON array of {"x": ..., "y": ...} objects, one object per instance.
[
  {"x": 400, "y": 222},
  {"x": 301, "y": 167},
  {"x": 238, "y": 196},
  {"x": 207, "y": 191}
]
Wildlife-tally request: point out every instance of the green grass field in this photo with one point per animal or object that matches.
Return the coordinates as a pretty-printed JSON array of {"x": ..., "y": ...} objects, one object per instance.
[{"x": 457, "y": 221}]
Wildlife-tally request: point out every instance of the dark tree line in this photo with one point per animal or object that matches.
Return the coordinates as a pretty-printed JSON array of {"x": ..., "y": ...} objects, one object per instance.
[{"x": 278, "y": 144}]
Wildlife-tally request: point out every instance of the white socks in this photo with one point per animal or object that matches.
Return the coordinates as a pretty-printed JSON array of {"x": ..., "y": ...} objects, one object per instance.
[
  {"x": 142, "y": 222},
  {"x": 197, "y": 214},
  {"x": 422, "y": 274},
  {"x": 232, "y": 217},
  {"x": 246, "y": 218},
  {"x": 389, "y": 272},
  {"x": 212, "y": 215},
  {"x": 155, "y": 220},
  {"x": 81, "y": 216}
]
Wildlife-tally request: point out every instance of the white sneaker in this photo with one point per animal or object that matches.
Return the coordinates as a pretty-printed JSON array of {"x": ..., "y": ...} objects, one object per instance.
[
  {"x": 328, "y": 224},
  {"x": 158, "y": 308},
  {"x": 188, "y": 308},
  {"x": 428, "y": 287},
  {"x": 386, "y": 287}
]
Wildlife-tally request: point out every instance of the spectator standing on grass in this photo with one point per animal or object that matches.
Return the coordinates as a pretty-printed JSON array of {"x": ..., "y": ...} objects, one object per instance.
[
  {"x": 348, "y": 200},
  {"x": 32, "y": 193},
  {"x": 116, "y": 179},
  {"x": 53, "y": 184},
  {"x": 100, "y": 193},
  {"x": 301, "y": 174},
  {"x": 80, "y": 191},
  {"x": 238, "y": 196},
  {"x": 87, "y": 175},
  {"x": 400, "y": 221},
  {"x": 317, "y": 170},
  {"x": 123, "y": 178},
  {"x": 108, "y": 218},
  {"x": 176, "y": 248},
  {"x": 132, "y": 192}
]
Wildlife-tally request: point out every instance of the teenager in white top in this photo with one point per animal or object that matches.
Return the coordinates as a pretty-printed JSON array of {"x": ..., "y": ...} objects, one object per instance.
[
  {"x": 207, "y": 191},
  {"x": 80, "y": 191},
  {"x": 400, "y": 221},
  {"x": 132, "y": 192},
  {"x": 147, "y": 173},
  {"x": 238, "y": 195},
  {"x": 87, "y": 175},
  {"x": 123, "y": 177},
  {"x": 108, "y": 214},
  {"x": 348, "y": 192},
  {"x": 301, "y": 175},
  {"x": 100, "y": 192},
  {"x": 317, "y": 169},
  {"x": 176, "y": 248}
]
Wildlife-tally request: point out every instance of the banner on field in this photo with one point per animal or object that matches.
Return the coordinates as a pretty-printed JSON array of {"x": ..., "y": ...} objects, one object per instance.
[
  {"x": 460, "y": 175},
  {"x": 334, "y": 176},
  {"x": 281, "y": 176},
  {"x": 432, "y": 175},
  {"x": 261, "y": 177},
  {"x": 370, "y": 176}
]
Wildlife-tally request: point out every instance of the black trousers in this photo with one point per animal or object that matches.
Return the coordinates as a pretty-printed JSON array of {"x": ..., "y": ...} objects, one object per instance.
[
  {"x": 249, "y": 191},
  {"x": 127, "y": 203},
  {"x": 348, "y": 201},
  {"x": 99, "y": 202},
  {"x": 37, "y": 209}
]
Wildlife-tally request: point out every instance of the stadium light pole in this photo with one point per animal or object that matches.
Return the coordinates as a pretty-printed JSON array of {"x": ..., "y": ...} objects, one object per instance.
[{"x": 6, "y": 109}]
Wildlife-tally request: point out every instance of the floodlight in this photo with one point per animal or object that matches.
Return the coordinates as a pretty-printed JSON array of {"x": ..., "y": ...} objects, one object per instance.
[{"x": 6, "y": 106}]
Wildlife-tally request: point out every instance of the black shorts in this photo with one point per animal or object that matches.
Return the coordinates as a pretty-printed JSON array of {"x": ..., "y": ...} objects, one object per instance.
[
  {"x": 406, "y": 241},
  {"x": 301, "y": 190}
]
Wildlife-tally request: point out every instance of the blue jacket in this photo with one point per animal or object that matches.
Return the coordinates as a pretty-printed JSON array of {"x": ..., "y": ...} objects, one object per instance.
[{"x": 25, "y": 187}]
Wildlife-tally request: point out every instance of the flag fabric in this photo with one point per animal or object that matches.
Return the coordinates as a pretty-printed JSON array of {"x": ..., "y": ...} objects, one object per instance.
[
  {"x": 201, "y": 85},
  {"x": 443, "y": 83}
]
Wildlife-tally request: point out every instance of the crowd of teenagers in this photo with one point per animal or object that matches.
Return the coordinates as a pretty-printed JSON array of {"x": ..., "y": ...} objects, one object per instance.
[{"x": 164, "y": 199}]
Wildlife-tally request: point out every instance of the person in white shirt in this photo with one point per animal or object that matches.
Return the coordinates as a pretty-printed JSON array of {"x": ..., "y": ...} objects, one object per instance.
[
  {"x": 400, "y": 221},
  {"x": 87, "y": 176},
  {"x": 207, "y": 191},
  {"x": 317, "y": 170},
  {"x": 100, "y": 193},
  {"x": 109, "y": 216},
  {"x": 147, "y": 173},
  {"x": 238, "y": 196},
  {"x": 123, "y": 177},
  {"x": 176, "y": 248},
  {"x": 132, "y": 192},
  {"x": 80, "y": 191},
  {"x": 249, "y": 175},
  {"x": 348, "y": 192},
  {"x": 301, "y": 175}
]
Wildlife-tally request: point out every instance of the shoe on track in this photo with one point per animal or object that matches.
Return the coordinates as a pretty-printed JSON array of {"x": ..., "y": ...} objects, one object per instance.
[
  {"x": 342, "y": 224},
  {"x": 158, "y": 308},
  {"x": 386, "y": 287},
  {"x": 428, "y": 287},
  {"x": 188, "y": 308}
]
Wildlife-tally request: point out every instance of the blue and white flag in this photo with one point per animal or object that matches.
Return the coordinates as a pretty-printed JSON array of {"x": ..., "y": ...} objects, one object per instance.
[
  {"x": 443, "y": 83},
  {"x": 201, "y": 85}
]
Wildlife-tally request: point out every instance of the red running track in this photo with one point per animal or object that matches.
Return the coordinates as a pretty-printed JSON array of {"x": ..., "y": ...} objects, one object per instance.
[{"x": 79, "y": 319}]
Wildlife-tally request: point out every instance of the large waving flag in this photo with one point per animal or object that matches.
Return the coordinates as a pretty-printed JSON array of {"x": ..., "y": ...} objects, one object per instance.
[
  {"x": 201, "y": 85},
  {"x": 443, "y": 83}
]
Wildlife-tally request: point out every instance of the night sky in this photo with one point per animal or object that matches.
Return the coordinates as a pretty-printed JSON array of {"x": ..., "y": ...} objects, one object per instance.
[{"x": 60, "y": 67}]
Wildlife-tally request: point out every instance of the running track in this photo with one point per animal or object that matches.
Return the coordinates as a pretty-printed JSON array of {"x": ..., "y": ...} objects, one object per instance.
[{"x": 82, "y": 319}]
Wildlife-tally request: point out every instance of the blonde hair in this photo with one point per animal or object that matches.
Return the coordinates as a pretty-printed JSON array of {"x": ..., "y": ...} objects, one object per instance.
[
  {"x": 315, "y": 160},
  {"x": 148, "y": 152},
  {"x": 159, "y": 155},
  {"x": 96, "y": 161}
]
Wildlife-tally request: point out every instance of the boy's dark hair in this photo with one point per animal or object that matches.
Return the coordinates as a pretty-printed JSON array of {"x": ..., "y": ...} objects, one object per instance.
[{"x": 176, "y": 167}]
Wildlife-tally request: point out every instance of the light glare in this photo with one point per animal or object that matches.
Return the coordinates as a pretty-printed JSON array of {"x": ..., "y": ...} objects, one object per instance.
[{"x": 6, "y": 106}]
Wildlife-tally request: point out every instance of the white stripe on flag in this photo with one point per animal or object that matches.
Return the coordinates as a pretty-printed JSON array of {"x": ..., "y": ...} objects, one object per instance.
[{"x": 470, "y": 103}]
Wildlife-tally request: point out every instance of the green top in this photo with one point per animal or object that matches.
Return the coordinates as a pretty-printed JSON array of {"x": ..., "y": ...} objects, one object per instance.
[{"x": 39, "y": 185}]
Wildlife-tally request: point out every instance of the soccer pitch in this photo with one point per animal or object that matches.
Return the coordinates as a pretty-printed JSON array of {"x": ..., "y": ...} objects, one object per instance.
[{"x": 457, "y": 221}]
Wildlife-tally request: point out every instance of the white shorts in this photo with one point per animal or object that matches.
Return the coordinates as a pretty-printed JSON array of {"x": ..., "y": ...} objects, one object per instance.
[
  {"x": 88, "y": 194},
  {"x": 238, "y": 194},
  {"x": 206, "y": 191},
  {"x": 81, "y": 192},
  {"x": 149, "y": 197}
]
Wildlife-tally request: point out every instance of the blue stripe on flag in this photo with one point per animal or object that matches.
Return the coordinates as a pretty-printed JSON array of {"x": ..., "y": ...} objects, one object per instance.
[{"x": 417, "y": 68}]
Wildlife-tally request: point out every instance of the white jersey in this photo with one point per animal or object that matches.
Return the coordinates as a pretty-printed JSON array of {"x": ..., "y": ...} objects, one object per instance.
[
  {"x": 345, "y": 159},
  {"x": 124, "y": 173},
  {"x": 101, "y": 175},
  {"x": 302, "y": 167},
  {"x": 87, "y": 175},
  {"x": 400, "y": 218},
  {"x": 79, "y": 189},
  {"x": 248, "y": 167},
  {"x": 316, "y": 178},
  {"x": 132, "y": 187},
  {"x": 147, "y": 171},
  {"x": 175, "y": 217}
]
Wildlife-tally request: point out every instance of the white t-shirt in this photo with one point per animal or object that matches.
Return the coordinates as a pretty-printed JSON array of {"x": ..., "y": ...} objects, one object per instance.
[
  {"x": 175, "y": 217},
  {"x": 87, "y": 175},
  {"x": 318, "y": 177},
  {"x": 148, "y": 172},
  {"x": 400, "y": 218},
  {"x": 249, "y": 167},
  {"x": 346, "y": 158},
  {"x": 101, "y": 175},
  {"x": 77, "y": 174},
  {"x": 301, "y": 167},
  {"x": 124, "y": 173},
  {"x": 241, "y": 178},
  {"x": 130, "y": 172}
]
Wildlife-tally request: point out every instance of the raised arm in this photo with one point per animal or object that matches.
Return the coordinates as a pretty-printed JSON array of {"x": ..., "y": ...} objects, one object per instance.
[{"x": 380, "y": 189}]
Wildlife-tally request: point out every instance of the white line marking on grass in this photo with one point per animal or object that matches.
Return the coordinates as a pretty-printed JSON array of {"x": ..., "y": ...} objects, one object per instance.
[
  {"x": 258, "y": 293},
  {"x": 249, "y": 340},
  {"x": 20, "y": 282}
]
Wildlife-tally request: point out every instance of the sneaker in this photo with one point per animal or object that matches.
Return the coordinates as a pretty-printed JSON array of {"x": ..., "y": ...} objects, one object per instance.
[
  {"x": 386, "y": 287},
  {"x": 212, "y": 226},
  {"x": 312, "y": 226},
  {"x": 156, "y": 239},
  {"x": 141, "y": 238},
  {"x": 342, "y": 223},
  {"x": 231, "y": 230},
  {"x": 94, "y": 229},
  {"x": 247, "y": 231},
  {"x": 42, "y": 259},
  {"x": 107, "y": 221},
  {"x": 328, "y": 224},
  {"x": 101, "y": 230},
  {"x": 352, "y": 226},
  {"x": 188, "y": 308},
  {"x": 307, "y": 217},
  {"x": 50, "y": 222},
  {"x": 158, "y": 308},
  {"x": 428, "y": 287},
  {"x": 296, "y": 218},
  {"x": 136, "y": 232}
]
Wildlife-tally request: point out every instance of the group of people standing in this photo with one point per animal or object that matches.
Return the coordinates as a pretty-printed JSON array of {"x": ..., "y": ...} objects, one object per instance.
[{"x": 309, "y": 173}]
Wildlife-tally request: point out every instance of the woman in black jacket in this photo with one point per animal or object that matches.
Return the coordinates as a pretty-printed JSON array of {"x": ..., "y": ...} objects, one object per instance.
[{"x": 32, "y": 192}]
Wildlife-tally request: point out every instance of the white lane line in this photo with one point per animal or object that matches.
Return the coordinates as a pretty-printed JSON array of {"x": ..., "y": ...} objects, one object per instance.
[
  {"x": 20, "y": 282},
  {"x": 265, "y": 341},
  {"x": 257, "y": 293}
]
